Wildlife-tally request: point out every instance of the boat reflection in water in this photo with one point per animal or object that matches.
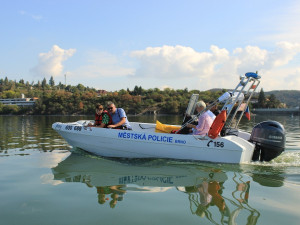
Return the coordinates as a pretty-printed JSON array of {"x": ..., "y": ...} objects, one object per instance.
[
  {"x": 203, "y": 184},
  {"x": 206, "y": 197}
]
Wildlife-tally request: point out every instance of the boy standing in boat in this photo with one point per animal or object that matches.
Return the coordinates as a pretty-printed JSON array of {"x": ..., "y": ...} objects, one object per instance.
[{"x": 119, "y": 117}]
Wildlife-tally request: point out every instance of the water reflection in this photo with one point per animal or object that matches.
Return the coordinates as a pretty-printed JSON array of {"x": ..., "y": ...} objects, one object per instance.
[
  {"x": 202, "y": 183},
  {"x": 208, "y": 195},
  {"x": 21, "y": 134}
]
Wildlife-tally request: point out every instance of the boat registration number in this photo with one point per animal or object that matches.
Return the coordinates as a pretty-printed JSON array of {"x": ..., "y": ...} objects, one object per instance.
[
  {"x": 216, "y": 144},
  {"x": 77, "y": 128}
]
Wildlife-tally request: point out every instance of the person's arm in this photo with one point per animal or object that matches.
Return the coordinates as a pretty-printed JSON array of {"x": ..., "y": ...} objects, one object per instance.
[
  {"x": 122, "y": 116},
  {"x": 105, "y": 120},
  {"x": 201, "y": 123},
  {"x": 120, "y": 123}
]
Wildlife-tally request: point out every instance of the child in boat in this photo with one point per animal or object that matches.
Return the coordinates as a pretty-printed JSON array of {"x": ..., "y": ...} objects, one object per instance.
[{"x": 102, "y": 117}]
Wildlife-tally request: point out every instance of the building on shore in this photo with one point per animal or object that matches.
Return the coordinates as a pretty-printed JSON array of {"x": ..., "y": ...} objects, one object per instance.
[{"x": 19, "y": 101}]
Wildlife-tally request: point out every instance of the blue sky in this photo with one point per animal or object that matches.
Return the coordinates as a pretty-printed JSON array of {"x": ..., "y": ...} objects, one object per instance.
[{"x": 116, "y": 45}]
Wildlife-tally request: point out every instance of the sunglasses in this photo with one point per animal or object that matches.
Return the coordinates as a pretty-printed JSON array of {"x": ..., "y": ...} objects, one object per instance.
[{"x": 110, "y": 108}]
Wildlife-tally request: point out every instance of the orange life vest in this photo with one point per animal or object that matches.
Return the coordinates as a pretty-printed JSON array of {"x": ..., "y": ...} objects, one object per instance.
[
  {"x": 98, "y": 118},
  {"x": 217, "y": 125}
]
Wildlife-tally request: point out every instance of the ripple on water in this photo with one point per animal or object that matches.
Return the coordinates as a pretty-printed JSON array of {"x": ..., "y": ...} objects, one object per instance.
[{"x": 287, "y": 158}]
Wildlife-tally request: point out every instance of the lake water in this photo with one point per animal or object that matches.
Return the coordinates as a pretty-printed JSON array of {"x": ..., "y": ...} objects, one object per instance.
[{"x": 42, "y": 182}]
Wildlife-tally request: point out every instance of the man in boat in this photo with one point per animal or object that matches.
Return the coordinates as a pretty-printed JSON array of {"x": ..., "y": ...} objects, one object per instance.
[
  {"x": 102, "y": 117},
  {"x": 214, "y": 109},
  {"x": 119, "y": 117},
  {"x": 204, "y": 120}
]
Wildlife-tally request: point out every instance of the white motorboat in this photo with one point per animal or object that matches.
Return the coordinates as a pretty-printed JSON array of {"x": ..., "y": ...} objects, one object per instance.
[{"x": 224, "y": 143}]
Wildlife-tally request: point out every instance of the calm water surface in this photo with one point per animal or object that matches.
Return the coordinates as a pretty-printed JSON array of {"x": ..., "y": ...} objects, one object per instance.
[{"x": 42, "y": 182}]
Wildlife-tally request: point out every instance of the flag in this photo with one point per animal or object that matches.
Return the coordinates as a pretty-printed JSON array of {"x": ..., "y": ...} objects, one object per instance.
[{"x": 247, "y": 113}]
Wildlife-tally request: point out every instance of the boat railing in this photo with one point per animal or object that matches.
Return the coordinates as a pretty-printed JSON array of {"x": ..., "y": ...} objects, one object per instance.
[{"x": 233, "y": 100}]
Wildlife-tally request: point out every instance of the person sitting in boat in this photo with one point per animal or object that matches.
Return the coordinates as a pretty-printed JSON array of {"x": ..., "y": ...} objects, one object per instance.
[
  {"x": 119, "y": 117},
  {"x": 204, "y": 121},
  {"x": 102, "y": 117},
  {"x": 214, "y": 109}
]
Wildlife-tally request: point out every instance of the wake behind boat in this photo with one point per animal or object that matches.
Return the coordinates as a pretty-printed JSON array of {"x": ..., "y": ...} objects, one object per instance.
[{"x": 224, "y": 143}]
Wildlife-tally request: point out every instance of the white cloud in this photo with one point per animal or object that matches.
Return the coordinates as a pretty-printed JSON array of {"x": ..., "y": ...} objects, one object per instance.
[
  {"x": 178, "y": 61},
  {"x": 35, "y": 17},
  {"x": 50, "y": 63},
  {"x": 103, "y": 65},
  {"x": 217, "y": 68},
  {"x": 292, "y": 80},
  {"x": 179, "y": 67}
]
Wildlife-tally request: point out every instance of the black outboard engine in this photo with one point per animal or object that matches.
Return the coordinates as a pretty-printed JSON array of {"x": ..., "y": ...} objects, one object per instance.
[{"x": 269, "y": 140}]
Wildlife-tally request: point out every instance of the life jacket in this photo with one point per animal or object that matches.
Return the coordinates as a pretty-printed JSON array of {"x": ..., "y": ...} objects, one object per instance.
[
  {"x": 98, "y": 119},
  {"x": 217, "y": 125}
]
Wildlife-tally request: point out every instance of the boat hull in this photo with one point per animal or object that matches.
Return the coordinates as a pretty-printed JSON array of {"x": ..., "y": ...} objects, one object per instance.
[{"x": 143, "y": 142}]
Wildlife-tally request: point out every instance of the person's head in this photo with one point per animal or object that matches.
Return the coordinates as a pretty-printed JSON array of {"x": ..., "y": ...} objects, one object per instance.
[
  {"x": 111, "y": 107},
  {"x": 200, "y": 106},
  {"x": 214, "y": 107},
  {"x": 99, "y": 108}
]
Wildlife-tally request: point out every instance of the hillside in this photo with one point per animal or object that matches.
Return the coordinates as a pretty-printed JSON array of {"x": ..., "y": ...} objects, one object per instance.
[
  {"x": 72, "y": 100},
  {"x": 290, "y": 97}
]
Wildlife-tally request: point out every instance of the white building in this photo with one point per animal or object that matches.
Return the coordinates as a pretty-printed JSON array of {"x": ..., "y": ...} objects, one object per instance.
[{"x": 18, "y": 101}]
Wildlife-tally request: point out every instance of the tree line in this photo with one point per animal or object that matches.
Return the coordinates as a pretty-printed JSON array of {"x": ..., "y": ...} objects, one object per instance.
[{"x": 63, "y": 99}]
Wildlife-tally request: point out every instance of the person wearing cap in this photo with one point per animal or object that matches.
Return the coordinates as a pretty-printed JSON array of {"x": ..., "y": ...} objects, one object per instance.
[{"x": 204, "y": 120}]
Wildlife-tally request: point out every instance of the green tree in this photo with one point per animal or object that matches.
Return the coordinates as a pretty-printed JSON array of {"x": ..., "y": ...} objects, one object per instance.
[
  {"x": 5, "y": 81},
  {"x": 44, "y": 83},
  {"x": 80, "y": 87},
  {"x": 51, "y": 81},
  {"x": 273, "y": 102},
  {"x": 261, "y": 99}
]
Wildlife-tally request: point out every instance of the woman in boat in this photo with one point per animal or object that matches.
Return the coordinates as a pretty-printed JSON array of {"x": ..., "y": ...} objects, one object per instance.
[
  {"x": 204, "y": 120},
  {"x": 102, "y": 117},
  {"x": 119, "y": 117}
]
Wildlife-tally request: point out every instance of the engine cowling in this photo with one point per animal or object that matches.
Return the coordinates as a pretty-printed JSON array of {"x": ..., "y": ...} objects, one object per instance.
[{"x": 269, "y": 139}]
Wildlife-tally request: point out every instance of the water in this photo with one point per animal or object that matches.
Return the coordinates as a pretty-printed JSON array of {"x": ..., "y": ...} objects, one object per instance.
[{"x": 41, "y": 182}]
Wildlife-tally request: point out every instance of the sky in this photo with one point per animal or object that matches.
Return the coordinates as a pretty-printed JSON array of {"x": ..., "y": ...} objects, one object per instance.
[{"x": 120, "y": 44}]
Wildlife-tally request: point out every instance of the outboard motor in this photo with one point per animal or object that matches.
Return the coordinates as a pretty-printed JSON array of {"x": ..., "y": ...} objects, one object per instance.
[{"x": 269, "y": 140}]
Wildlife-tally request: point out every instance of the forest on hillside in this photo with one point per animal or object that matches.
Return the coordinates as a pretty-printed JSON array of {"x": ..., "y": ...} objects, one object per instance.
[
  {"x": 63, "y": 99},
  {"x": 290, "y": 97}
]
